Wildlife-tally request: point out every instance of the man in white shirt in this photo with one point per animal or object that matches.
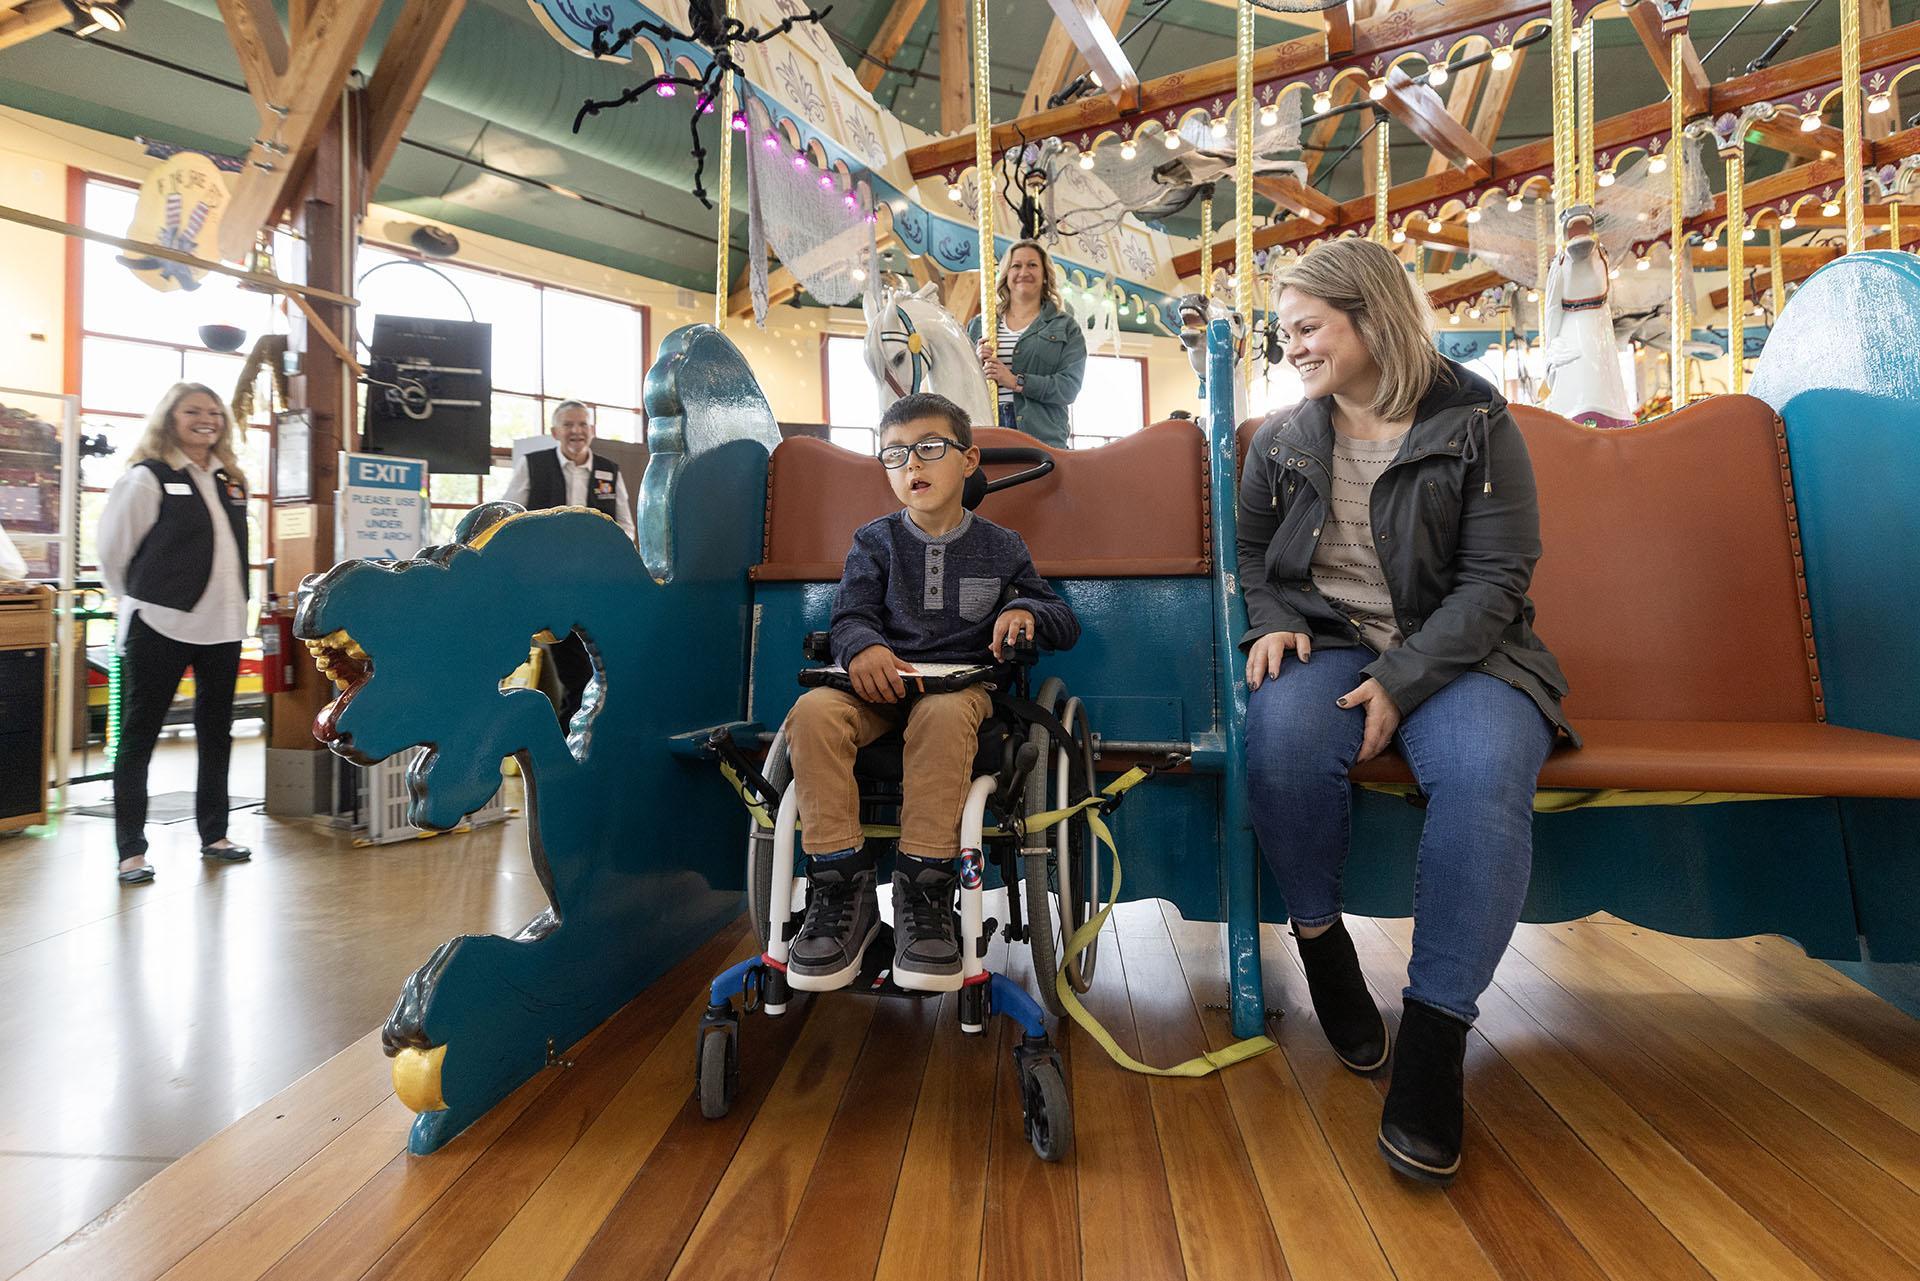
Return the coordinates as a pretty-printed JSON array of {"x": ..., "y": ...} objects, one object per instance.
[{"x": 572, "y": 475}]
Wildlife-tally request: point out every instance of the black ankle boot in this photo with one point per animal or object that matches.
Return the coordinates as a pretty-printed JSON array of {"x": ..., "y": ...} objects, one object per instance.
[
  {"x": 1420, "y": 1125},
  {"x": 1341, "y": 1001}
]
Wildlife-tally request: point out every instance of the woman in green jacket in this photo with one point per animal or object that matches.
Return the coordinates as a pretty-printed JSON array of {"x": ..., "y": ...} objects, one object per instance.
[{"x": 1039, "y": 358}]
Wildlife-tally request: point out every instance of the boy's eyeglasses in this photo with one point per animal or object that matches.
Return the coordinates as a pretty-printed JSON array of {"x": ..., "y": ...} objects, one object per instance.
[{"x": 930, "y": 450}]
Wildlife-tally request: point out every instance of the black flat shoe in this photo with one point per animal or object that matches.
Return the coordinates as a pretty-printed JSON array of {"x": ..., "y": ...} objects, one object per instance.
[
  {"x": 136, "y": 875},
  {"x": 1420, "y": 1127},
  {"x": 226, "y": 853},
  {"x": 1341, "y": 1001}
]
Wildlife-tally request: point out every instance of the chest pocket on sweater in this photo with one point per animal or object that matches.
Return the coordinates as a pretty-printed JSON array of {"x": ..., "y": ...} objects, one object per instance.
[{"x": 978, "y": 596}]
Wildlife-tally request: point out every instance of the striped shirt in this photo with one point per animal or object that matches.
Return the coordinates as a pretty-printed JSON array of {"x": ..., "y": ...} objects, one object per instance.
[
  {"x": 1346, "y": 566},
  {"x": 1009, "y": 338}
]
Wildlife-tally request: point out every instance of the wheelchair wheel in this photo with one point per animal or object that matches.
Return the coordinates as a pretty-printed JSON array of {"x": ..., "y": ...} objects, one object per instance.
[
  {"x": 1037, "y": 874},
  {"x": 1076, "y": 854},
  {"x": 779, "y": 772},
  {"x": 719, "y": 1071},
  {"x": 1047, "y": 1111}
]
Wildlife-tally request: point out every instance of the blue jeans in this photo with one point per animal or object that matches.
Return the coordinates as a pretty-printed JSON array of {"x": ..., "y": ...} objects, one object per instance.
[
  {"x": 1475, "y": 747},
  {"x": 1006, "y": 413}
]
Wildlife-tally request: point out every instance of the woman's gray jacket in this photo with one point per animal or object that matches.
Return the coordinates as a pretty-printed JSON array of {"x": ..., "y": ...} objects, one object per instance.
[
  {"x": 1051, "y": 360},
  {"x": 1456, "y": 525}
]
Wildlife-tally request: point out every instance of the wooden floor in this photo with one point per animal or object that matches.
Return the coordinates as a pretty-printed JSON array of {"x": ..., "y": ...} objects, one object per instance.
[{"x": 1640, "y": 1107}]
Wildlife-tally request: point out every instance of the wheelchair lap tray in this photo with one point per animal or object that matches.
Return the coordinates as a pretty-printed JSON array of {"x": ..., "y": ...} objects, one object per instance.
[{"x": 927, "y": 678}]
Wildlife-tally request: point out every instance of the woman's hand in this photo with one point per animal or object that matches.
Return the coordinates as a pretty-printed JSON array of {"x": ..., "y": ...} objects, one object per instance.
[
  {"x": 1383, "y": 718},
  {"x": 999, "y": 373},
  {"x": 1263, "y": 660}
]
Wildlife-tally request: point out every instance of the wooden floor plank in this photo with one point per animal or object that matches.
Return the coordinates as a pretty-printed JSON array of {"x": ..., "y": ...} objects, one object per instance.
[
  {"x": 1862, "y": 1126},
  {"x": 449, "y": 1238},
  {"x": 262, "y": 1233},
  {"x": 1880, "y": 1083},
  {"x": 1726, "y": 1240},
  {"x": 1224, "y": 1229},
  {"x": 842, "y": 1218},
  {"x": 1622, "y": 1237},
  {"x": 1320, "y": 1226},
  {"x": 1127, "y": 1230},
  {"x": 172, "y": 1214},
  {"x": 1613, "y": 992},
  {"x": 1031, "y": 1226},
  {"x": 1795, "y": 1211},
  {"x": 646, "y": 1229},
  {"x": 547, "y": 1235},
  {"x": 770, "y": 1170},
  {"x": 934, "y": 1224}
]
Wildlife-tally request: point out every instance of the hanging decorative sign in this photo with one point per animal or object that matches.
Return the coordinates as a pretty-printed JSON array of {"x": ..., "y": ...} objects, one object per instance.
[
  {"x": 180, "y": 207},
  {"x": 382, "y": 510}
]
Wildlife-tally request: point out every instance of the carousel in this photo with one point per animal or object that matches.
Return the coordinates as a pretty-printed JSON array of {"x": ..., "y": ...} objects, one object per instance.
[{"x": 1717, "y": 382}]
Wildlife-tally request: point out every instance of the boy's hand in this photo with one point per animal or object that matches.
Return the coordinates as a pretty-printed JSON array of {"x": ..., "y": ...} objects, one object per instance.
[
  {"x": 875, "y": 673},
  {"x": 1011, "y": 627}
]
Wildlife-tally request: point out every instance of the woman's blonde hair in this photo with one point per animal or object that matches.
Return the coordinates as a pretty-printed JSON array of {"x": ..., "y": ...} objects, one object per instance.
[
  {"x": 1049, "y": 292},
  {"x": 158, "y": 441},
  {"x": 1366, "y": 282}
]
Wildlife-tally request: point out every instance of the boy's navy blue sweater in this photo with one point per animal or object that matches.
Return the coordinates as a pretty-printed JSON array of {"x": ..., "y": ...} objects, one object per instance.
[{"x": 934, "y": 600}]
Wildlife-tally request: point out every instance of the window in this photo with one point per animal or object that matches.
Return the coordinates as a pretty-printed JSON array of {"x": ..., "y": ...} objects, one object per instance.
[
  {"x": 1112, "y": 401},
  {"x": 852, "y": 395}
]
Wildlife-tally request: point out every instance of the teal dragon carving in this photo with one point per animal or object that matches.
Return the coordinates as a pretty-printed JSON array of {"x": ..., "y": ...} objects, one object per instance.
[{"x": 637, "y": 847}]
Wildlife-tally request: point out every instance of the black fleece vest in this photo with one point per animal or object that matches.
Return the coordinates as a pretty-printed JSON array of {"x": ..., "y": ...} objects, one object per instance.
[
  {"x": 547, "y": 484},
  {"x": 175, "y": 559}
]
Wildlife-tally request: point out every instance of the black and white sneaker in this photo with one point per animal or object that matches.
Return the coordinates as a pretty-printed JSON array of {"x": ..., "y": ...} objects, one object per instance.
[
  {"x": 926, "y": 929},
  {"x": 843, "y": 915}
]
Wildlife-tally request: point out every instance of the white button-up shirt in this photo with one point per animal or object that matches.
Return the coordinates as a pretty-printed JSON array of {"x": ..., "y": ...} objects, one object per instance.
[
  {"x": 579, "y": 478},
  {"x": 133, "y": 507}
]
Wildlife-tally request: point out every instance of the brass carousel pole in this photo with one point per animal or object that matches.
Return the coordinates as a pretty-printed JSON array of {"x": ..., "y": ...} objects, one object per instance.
[
  {"x": 983, "y": 170},
  {"x": 1676, "y": 156},
  {"x": 1589, "y": 177},
  {"x": 1735, "y": 154},
  {"x": 1850, "y": 125},
  {"x": 1566, "y": 166},
  {"x": 722, "y": 281},
  {"x": 1382, "y": 177},
  {"x": 1206, "y": 249},
  {"x": 1244, "y": 273},
  {"x": 1776, "y": 282}
]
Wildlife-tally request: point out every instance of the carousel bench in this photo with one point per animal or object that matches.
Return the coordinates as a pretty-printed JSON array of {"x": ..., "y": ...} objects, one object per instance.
[{"x": 1671, "y": 589}]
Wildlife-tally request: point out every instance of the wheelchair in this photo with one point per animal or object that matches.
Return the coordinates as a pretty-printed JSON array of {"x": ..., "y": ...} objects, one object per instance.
[{"x": 1035, "y": 755}]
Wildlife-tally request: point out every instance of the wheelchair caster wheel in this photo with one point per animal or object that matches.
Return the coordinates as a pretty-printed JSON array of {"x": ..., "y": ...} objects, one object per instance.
[
  {"x": 1044, "y": 1105},
  {"x": 717, "y": 1076},
  {"x": 973, "y": 1009}
]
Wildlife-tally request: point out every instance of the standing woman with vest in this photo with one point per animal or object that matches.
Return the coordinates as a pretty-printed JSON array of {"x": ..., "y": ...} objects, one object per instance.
[
  {"x": 173, "y": 548},
  {"x": 1039, "y": 358}
]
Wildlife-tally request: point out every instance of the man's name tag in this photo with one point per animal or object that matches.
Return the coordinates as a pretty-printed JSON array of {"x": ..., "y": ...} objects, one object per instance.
[
  {"x": 603, "y": 475},
  {"x": 177, "y": 487}
]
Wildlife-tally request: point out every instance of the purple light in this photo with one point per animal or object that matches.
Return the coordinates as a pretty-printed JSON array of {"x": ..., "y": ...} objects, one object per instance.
[
  {"x": 739, "y": 122},
  {"x": 665, "y": 91},
  {"x": 849, "y": 201},
  {"x": 706, "y": 106},
  {"x": 770, "y": 142},
  {"x": 872, "y": 216},
  {"x": 826, "y": 182},
  {"x": 799, "y": 161}
]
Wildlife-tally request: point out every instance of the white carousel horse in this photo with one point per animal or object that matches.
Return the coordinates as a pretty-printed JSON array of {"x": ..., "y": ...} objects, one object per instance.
[
  {"x": 915, "y": 344},
  {"x": 1583, "y": 360}
]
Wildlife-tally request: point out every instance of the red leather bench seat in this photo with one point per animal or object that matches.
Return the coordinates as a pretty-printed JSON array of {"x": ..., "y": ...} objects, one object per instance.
[
  {"x": 1137, "y": 508},
  {"x": 1672, "y": 591}
]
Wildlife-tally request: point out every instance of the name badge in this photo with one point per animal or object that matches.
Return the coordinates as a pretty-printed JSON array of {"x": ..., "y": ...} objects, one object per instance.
[
  {"x": 177, "y": 487},
  {"x": 603, "y": 475}
]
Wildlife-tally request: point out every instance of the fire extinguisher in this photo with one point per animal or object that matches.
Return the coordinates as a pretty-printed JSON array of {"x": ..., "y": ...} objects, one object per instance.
[{"x": 277, "y": 649}]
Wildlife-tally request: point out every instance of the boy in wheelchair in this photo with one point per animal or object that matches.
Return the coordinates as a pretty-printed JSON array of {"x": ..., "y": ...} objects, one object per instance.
[{"x": 930, "y": 583}]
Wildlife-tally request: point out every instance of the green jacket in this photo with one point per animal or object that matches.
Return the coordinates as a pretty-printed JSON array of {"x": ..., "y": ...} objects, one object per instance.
[{"x": 1051, "y": 361}]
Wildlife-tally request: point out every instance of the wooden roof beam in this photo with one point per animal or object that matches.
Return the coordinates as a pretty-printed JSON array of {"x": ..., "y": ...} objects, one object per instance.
[
  {"x": 1695, "y": 87},
  {"x": 258, "y": 39},
  {"x": 1499, "y": 96},
  {"x": 34, "y": 18},
  {"x": 1462, "y": 290},
  {"x": 1416, "y": 105},
  {"x": 406, "y": 64},
  {"x": 893, "y": 32},
  {"x": 1297, "y": 198},
  {"x": 1463, "y": 90},
  {"x": 1058, "y": 54},
  {"x": 1090, "y": 28}
]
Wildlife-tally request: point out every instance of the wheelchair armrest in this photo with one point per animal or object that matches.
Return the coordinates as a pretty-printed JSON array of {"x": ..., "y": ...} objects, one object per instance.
[
  {"x": 817, "y": 647},
  {"x": 1022, "y": 653}
]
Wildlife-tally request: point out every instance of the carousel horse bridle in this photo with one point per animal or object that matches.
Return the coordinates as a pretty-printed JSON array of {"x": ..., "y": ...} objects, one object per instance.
[{"x": 916, "y": 347}]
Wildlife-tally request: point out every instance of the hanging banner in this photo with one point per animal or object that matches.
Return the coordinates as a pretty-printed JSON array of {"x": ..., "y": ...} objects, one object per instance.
[
  {"x": 180, "y": 207},
  {"x": 382, "y": 509}
]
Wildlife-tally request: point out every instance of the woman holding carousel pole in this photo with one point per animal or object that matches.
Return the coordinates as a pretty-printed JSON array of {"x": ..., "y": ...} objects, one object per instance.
[
  {"x": 1038, "y": 359},
  {"x": 1388, "y": 532},
  {"x": 173, "y": 548}
]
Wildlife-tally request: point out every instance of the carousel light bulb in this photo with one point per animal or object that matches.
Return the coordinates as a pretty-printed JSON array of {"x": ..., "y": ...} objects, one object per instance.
[
  {"x": 1123, "y": 308},
  {"x": 1831, "y": 209},
  {"x": 1399, "y": 235},
  {"x": 1437, "y": 74},
  {"x": 1788, "y": 222},
  {"x": 1513, "y": 204},
  {"x": 1126, "y": 150},
  {"x": 1473, "y": 214},
  {"x": 1473, "y": 313},
  {"x": 1605, "y": 179},
  {"x": 826, "y": 182},
  {"x": 1643, "y": 264},
  {"x": 1453, "y": 318},
  {"x": 1323, "y": 101},
  {"x": 953, "y": 193},
  {"x": 799, "y": 161},
  {"x": 849, "y": 201},
  {"x": 1533, "y": 295},
  {"x": 872, "y": 216},
  {"x": 859, "y": 275},
  {"x": 1656, "y": 164},
  {"x": 1878, "y": 104},
  {"x": 1269, "y": 117},
  {"x": 1809, "y": 123},
  {"x": 664, "y": 91},
  {"x": 1503, "y": 58},
  {"x": 739, "y": 122},
  {"x": 770, "y": 142},
  {"x": 1219, "y": 127},
  {"x": 1576, "y": 42},
  {"x": 1172, "y": 140},
  {"x": 1376, "y": 90},
  {"x": 1747, "y": 234},
  {"x": 1086, "y": 160}
]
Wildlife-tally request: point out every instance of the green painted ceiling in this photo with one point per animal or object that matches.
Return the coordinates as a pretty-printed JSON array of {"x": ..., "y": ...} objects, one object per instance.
[{"x": 503, "y": 99}]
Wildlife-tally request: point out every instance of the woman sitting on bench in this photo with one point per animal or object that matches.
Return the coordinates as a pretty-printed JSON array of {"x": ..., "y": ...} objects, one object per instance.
[{"x": 1388, "y": 532}]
